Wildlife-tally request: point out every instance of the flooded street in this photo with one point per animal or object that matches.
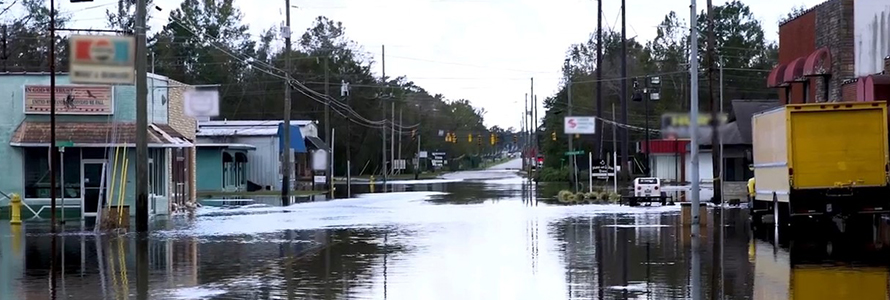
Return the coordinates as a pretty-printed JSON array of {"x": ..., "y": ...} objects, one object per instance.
[{"x": 471, "y": 235}]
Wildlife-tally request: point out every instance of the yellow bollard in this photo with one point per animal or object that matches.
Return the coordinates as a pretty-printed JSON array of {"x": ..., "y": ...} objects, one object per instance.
[{"x": 15, "y": 209}]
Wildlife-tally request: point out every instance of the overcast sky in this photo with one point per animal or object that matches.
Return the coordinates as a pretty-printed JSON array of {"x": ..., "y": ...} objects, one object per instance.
[{"x": 485, "y": 51}]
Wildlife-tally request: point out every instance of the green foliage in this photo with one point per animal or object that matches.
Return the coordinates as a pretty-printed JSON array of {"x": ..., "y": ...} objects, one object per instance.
[
  {"x": 746, "y": 57},
  {"x": 553, "y": 175}
]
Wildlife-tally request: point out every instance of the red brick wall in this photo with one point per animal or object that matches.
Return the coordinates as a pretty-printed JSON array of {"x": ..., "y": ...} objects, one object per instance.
[
  {"x": 797, "y": 38},
  {"x": 848, "y": 92}
]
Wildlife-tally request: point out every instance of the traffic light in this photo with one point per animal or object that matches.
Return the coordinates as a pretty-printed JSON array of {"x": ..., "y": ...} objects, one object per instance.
[
  {"x": 515, "y": 139},
  {"x": 470, "y": 138},
  {"x": 553, "y": 135},
  {"x": 492, "y": 139},
  {"x": 479, "y": 139},
  {"x": 453, "y": 138},
  {"x": 448, "y": 137}
]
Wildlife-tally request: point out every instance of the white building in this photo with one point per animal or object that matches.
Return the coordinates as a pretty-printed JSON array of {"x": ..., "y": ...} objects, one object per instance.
[{"x": 262, "y": 139}]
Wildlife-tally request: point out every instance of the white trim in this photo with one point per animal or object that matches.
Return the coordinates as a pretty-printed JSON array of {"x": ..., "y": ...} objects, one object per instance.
[
  {"x": 249, "y": 147},
  {"x": 772, "y": 165},
  {"x": 83, "y": 185}
]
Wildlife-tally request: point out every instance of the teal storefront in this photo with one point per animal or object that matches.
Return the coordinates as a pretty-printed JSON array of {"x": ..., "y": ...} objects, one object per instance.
[{"x": 222, "y": 167}]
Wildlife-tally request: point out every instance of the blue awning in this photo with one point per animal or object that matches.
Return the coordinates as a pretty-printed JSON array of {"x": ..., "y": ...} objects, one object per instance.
[{"x": 296, "y": 139}]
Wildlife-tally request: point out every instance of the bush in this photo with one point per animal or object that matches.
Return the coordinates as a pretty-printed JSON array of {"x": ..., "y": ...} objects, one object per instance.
[{"x": 553, "y": 175}]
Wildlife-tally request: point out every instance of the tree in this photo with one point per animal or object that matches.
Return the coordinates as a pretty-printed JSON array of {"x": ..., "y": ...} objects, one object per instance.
[
  {"x": 124, "y": 17},
  {"x": 27, "y": 39},
  {"x": 795, "y": 12}
]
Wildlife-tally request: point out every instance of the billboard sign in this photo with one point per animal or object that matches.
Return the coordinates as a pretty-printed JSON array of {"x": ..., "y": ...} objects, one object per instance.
[
  {"x": 70, "y": 99},
  {"x": 676, "y": 125},
  {"x": 579, "y": 125},
  {"x": 104, "y": 59}
]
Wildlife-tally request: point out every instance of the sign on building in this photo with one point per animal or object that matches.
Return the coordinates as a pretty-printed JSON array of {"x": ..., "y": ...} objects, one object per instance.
[
  {"x": 319, "y": 160},
  {"x": 579, "y": 125},
  {"x": 104, "y": 59},
  {"x": 202, "y": 103},
  {"x": 676, "y": 125},
  {"x": 70, "y": 99}
]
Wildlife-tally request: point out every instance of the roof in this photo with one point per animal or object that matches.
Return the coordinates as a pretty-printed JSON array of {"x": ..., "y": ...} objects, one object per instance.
[
  {"x": 317, "y": 143},
  {"x": 244, "y": 128},
  {"x": 738, "y": 130},
  {"x": 31, "y": 133},
  {"x": 252, "y": 123},
  {"x": 227, "y": 146}
]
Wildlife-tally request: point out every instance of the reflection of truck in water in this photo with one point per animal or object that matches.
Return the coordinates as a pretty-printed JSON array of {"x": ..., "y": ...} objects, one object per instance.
[
  {"x": 776, "y": 278},
  {"x": 821, "y": 159}
]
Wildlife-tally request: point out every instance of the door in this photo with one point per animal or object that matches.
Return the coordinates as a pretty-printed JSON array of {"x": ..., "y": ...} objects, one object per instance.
[{"x": 92, "y": 186}]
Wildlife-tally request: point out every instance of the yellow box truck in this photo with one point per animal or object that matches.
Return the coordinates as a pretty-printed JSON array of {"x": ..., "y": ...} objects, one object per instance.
[{"x": 821, "y": 159}]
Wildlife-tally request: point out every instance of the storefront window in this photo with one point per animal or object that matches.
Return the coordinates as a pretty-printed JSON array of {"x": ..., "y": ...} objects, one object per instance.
[{"x": 37, "y": 174}]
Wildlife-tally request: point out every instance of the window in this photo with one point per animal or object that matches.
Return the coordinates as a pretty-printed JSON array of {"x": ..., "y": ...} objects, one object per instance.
[
  {"x": 157, "y": 168},
  {"x": 37, "y": 175},
  {"x": 648, "y": 181}
]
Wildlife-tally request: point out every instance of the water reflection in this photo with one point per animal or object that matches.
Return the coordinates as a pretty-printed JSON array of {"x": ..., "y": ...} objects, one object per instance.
[{"x": 482, "y": 239}]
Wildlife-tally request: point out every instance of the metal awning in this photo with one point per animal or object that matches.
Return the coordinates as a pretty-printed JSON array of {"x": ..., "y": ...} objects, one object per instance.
[{"x": 317, "y": 143}]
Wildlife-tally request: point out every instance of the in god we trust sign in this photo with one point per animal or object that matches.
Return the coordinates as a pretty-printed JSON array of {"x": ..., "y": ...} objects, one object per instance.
[{"x": 103, "y": 59}]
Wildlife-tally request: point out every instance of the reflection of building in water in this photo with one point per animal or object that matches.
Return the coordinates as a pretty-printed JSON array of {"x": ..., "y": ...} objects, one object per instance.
[
  {"x": 90, "y": 267},
  {"x": 781, "y": 274}
]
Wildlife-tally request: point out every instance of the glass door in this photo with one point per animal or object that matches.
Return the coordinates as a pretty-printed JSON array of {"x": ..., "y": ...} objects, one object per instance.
[{"x": 92, "y": 186}]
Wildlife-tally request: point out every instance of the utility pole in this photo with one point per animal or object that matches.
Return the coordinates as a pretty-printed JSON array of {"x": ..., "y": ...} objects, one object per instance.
[
  {"x": 344, "y": 92},
  {"x": 141, "y": 121},
  {"x": 625, "y": 138},
  {"x": 599, "y": 79},
  {"x": 537, "y": 137},
  {"x": 383, "y": 131},
  {"x": 574, "y": 179},
  {"x": 54, "y": 151},
  {"x": 693, "y": 125},
  {"x": 327, "y": 123},
  {"x": 417, "y": 166},
  {"x": 715, "y": 133},
  {"x": 287, "y": 151},
  {"x": 400, "y": 136},
  {"x": 141, "y": 153}
]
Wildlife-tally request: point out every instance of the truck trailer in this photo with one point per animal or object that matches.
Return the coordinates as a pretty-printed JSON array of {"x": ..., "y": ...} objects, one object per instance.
[{"x": 821, "y": 159}]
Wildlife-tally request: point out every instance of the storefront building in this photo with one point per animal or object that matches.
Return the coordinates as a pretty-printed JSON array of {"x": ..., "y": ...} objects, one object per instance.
[{"x": 95, "y": 129}]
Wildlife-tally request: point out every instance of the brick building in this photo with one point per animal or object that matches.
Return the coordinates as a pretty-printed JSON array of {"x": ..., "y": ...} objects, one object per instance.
[{"x": 835, "y": 51}]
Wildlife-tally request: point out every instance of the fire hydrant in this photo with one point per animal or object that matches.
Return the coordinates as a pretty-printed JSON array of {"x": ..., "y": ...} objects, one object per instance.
[{"x": 15, "y": 209}]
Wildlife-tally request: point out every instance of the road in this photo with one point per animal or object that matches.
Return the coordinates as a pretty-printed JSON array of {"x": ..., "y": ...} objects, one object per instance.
[{"x": 514, "y": 164}]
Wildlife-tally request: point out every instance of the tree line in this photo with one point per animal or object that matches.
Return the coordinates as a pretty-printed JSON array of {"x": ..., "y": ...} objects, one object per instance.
[
  {"x": 743, "y": 53},
  {"x": 207, "y": 42}
]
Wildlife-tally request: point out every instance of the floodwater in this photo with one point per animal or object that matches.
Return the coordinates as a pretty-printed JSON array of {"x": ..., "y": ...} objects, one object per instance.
[{"x": 472, "y": 235}]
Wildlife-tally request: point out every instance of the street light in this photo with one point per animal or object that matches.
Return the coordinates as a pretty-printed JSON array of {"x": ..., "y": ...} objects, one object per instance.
[{"x": 649, "y": 92}]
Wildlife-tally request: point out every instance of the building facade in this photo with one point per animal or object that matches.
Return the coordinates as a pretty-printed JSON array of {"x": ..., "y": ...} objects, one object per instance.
[
  {"x": 244, "y": 155},
  {"x": 836, "y": 51},
  {"x": 95, "y": 130}
]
